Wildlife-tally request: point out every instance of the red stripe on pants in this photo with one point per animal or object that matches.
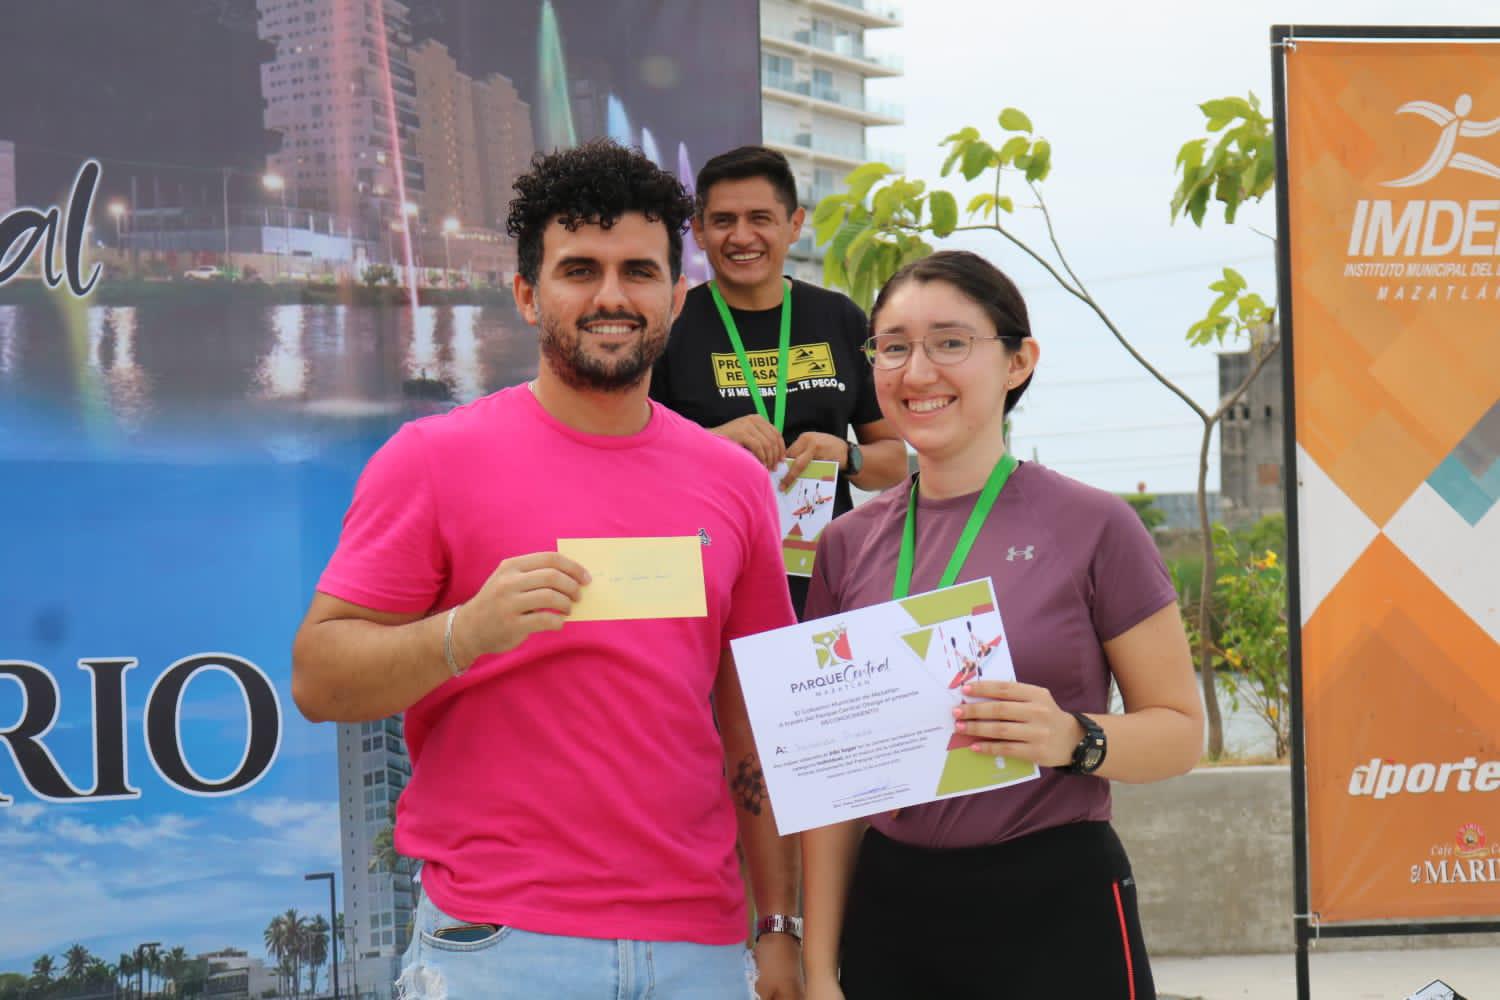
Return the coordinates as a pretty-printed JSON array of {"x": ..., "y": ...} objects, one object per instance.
[{"x": 1125, "y": 941}]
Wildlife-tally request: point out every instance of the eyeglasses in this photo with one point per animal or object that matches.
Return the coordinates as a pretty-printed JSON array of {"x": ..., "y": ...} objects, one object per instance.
[{"x": 890, "y": 351}]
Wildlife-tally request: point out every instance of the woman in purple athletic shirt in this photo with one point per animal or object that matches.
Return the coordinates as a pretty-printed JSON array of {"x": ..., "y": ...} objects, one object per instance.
[{"x": 1022, "y": 891}]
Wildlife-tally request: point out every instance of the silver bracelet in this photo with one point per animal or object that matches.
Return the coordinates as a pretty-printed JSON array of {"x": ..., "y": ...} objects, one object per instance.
[{"x": 453, "y": 666}]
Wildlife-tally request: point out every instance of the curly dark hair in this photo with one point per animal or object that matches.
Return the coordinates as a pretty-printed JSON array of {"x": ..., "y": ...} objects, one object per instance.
[{"x": 594, "y": 183}]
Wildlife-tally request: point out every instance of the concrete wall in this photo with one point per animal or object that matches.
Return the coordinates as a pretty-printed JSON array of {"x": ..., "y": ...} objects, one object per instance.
[{"x": 1212, "y": 853}]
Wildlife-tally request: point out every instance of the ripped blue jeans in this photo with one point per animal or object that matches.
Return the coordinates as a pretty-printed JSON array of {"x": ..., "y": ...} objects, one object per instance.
[{"x": 513, "y": 964}]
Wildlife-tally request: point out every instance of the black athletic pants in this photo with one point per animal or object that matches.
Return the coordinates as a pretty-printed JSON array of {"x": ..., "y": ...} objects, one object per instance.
[{"x": 1050, "y": 915}]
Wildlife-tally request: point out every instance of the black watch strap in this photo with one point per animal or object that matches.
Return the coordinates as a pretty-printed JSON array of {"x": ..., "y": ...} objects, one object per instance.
[
  {"x": 856, "y": 460},
  {"x": 1089, "y": 754}
]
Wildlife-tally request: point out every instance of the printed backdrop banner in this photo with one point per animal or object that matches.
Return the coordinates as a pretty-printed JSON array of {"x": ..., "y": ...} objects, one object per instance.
[
  {"x": 1394, "y": 190},
  {"x": 240, "y": 242}
]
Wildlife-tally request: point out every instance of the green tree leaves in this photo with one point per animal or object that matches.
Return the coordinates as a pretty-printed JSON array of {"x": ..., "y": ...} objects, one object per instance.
[
  {"x": 880, "y": 222},
  {"x": 973, "y": 156},
  {"x": 1250, "y": 312},
  {"x": 1241, "y": 166},
  {"x": 944, "y": 211},
  {"x": 1013, "y": 120},
  {"x": 978, "y": 157}
]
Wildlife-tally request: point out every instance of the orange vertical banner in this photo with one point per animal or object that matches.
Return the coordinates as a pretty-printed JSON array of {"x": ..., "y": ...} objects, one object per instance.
[{"x": 1393, "y": 187}]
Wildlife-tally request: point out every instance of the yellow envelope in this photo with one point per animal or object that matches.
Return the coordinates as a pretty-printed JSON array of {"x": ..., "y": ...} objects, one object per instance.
[{"x": 639, "y": 577}]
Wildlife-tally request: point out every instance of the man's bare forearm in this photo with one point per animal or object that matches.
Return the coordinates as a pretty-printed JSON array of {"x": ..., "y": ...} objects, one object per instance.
[
  {"x": 357, "y": 670},
  {"x": 774, "y": 861}
]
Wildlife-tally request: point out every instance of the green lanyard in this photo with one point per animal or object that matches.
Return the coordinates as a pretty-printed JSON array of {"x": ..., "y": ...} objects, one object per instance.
[
  {"x": 739, "y": 350},
  {"x": 992, "y": 488}
]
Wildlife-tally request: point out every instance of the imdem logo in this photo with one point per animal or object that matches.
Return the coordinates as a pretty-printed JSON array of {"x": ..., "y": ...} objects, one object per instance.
[{"x": 1432, "y": 227}]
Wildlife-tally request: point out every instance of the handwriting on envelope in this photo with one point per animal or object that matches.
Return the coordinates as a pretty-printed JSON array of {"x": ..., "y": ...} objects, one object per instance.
[{"x": 639, "y": 577}]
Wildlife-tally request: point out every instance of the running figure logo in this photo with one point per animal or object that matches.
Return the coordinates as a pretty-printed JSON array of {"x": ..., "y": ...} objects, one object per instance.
[{"x": 1454, "y": 124}]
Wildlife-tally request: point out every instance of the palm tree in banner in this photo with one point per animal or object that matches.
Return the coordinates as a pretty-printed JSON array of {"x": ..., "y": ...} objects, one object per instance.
[
  {"x": 346, "y": 951},
  {"x": 315, "y": 950},
  {"x": 41, "y": 972},
  {"x": 125, "y": 972},
  {"x": 288, "y": 974},
  {"x": 294, "y": 927},
  {"x": 383, "y": 856},
  {"x": 174, "y": 966},
  {"x": 153, "y": 969},
  {"x": 76, "y": 962},
  {"x": 99, "y": 972},
  {"x": 278, "y": 945}
]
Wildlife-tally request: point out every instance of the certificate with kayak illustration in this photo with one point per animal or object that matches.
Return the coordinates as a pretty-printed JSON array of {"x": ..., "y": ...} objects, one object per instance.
[
  {"x": 806, "y": 508},
  {"x": 853, "y": 713}
]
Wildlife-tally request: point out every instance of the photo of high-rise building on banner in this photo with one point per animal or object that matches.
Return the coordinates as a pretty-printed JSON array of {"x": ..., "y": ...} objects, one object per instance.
[
  {"x": 818, "y": 58},
  {"x": 294, "y": 241}
]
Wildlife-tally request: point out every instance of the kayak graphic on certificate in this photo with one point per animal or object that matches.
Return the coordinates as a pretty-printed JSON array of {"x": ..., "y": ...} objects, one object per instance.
[
  {"x": 853, "y": 713},
  {"x": 806, "y": 508},
  {"x": 953, "y": 655}
]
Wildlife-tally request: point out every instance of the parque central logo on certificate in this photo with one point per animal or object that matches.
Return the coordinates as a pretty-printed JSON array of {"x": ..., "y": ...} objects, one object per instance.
[{"x": 833, "y": 648}]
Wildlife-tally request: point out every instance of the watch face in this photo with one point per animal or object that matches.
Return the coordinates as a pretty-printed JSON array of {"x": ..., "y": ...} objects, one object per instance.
[{"x": 1092, "y": 758}]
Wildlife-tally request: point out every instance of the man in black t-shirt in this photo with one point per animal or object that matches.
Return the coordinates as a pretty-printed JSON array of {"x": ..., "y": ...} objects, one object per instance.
[{"x": 747, "y": 220}]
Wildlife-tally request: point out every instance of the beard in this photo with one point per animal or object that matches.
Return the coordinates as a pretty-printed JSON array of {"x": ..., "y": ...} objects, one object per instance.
[{"x": 578, "y": 368}]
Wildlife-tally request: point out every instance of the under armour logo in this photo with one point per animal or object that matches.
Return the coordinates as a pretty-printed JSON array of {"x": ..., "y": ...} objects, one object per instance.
[
  {"x": 1029, "y": 552},
  {"x": 703, "y": 536}
]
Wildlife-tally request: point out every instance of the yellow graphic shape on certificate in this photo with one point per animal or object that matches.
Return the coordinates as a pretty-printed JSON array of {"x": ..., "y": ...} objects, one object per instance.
[
  {"x": 970, "y": 598},
  {"x": 964, "y": 769},
  {"x": 804, "y": 361},
  {"x": 638, "y": 577},
  {"x": 919, "y": 641}
]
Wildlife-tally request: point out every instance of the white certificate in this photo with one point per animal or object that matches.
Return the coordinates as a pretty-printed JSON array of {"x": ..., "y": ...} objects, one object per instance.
[{"x": 853, "y": 713}]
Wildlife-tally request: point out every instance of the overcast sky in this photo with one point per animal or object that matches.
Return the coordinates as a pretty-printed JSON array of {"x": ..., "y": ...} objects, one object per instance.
[{"x": 1115, "y": 88}]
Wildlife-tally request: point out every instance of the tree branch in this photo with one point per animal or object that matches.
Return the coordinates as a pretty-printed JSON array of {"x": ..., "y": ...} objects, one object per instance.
[
  {"x": 1082, "y": 293},
  {"x": 1234, "y": 397},
  {"x": 1052, "y": 236}
]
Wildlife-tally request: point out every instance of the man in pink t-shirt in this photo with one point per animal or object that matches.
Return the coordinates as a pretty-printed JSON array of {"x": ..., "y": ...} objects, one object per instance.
[{"x": 569, "y": 800}]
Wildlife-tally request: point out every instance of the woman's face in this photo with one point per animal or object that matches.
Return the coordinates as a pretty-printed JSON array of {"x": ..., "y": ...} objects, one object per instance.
[{"x": 942, "y": 409}]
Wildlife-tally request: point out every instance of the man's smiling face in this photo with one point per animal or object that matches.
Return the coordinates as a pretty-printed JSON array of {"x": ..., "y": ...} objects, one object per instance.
[
  {"x": 604, "y": 301},
  {"x": 746, "y": 230}
]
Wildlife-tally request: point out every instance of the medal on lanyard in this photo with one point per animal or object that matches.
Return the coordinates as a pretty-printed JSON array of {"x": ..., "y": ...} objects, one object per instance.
[
  {"x": 992, "y": 487},
  {"x": 739, "y": 351}
]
